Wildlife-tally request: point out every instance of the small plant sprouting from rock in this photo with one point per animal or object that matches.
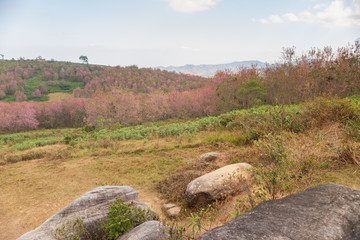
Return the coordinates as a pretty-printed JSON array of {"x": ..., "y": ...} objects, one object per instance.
[
  {"x": 71, "y": 230},
  {"x": 123, "y": 217}
]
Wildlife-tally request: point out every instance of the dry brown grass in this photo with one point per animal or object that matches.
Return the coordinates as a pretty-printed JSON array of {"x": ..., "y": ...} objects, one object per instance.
[
  {"x": 58, "y": 96},
  {"x": 33, "y": 190}
]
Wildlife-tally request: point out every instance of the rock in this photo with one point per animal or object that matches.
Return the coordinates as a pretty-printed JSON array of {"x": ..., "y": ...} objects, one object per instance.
[
  {"x": 91, "y": 207},
  {"x": 172, "y": 210},
  {"x": 215, "y": 185},
  {"x": 169, "y": 205},
  {"x": 151, "y": 230},
  {"x": 323, "y": 212},
  {"x": 209, "y": 157}
]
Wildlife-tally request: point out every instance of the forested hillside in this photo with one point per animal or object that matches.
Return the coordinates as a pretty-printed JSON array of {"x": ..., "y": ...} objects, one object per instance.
[
  {"x": 37, "y": 78},
  {"x": 131, "y": 95}
]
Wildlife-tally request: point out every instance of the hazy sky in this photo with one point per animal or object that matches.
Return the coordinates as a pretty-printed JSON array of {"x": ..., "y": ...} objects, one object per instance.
[{"x": 173, "y": 32}]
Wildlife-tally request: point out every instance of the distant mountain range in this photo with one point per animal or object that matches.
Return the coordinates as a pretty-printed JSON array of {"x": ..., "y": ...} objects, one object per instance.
[{"x": 209, "y": 70}]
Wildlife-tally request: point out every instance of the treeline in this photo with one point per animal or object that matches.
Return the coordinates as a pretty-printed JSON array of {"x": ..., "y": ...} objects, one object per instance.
[{"x": 318, "y": 72}]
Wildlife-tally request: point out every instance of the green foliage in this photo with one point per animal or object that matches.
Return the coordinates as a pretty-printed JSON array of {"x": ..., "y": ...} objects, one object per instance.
[
  {"x": 67, "y": 87},
  {"x": 36, "y": 143},
  {"x": 71, "y": 230},
  {"x": 122, "y": 218},
  {"x": 84, "y": 59},
  {"x": 251, "y": 125},
  {"x": 31, "y": 139},
  {"x": 88, "y": 128},
  {"x": 252, "y": 86},
  {"x": 274, "y": 178},
  {"x": 67, "y": 139}
]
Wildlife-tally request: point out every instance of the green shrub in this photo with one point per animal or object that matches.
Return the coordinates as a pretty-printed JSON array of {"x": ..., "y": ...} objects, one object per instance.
[
  {"x": 273, "y": 178},
  {"x": 71, "y": 230},
  {"x": 88, "y": 128},
  {"x": 122, "y": 218},
  {"x": 67, "y": 139}
]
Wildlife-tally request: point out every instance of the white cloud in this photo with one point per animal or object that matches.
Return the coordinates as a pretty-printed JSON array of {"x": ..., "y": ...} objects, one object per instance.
[
  {"x": 318, "y": 6},
  {"x": 290, "y": 17},
  {"x": 262, "y": 20},
  {"x": 337, "y": 14},
  {"x": 276, "y": 19},
  {"x": 189, "y": 6}
]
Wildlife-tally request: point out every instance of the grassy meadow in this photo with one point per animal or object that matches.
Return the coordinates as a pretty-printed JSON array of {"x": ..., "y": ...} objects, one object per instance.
[{"x": 315, "y": 142}]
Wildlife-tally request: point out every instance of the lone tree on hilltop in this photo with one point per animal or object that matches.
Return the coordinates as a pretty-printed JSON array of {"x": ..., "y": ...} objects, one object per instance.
[{"x": 84, "y": 59}]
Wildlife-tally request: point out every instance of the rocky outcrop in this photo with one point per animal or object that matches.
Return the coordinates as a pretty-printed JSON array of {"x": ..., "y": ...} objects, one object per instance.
[
  {"x": 151, "y": 230},
  {"x": 209, "y": 157},
  {"x": 323, "y": 212},
  {"x": 217, "y": 184},
  {"x": 91, "y": 207}
]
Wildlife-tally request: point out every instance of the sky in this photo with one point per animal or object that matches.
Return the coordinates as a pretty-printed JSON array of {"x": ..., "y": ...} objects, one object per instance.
[{"x": 151, "y": 33}]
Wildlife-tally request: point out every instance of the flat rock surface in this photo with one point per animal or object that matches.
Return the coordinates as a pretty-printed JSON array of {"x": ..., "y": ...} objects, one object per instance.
[
  {"x": 174, "y": 212},
  {"x": 169, "y": 205},
  {"x": 91, "y": 207},
  {"x": 323, "y": 212},
  {"x": 151, "y": 230}
]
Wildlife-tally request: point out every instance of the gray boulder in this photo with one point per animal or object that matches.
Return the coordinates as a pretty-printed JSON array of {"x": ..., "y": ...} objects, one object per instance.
[
  {"x": 209, "y": 157},
  {"x": 323, "y": 212},
  {"x": 91, "y": 207},
  {"x": 217, "y": 184},
  {"x": 151, "y": 230}
]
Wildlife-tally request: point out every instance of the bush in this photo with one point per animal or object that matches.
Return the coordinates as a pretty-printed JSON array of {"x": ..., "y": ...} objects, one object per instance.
[
  {"x": 323, "y": 110},
  {"x": 71, "y": 231},
  {"x": 122, "y": 218},
  {"x": 274, "y": 178}
]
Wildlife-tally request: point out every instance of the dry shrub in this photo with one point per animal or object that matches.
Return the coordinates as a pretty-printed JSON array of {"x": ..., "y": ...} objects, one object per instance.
[
  {"x": 348, "y": 156},
  {"x": 2, "y": 159},
  {"x": 330, "y": 109},
  {"x": 248, "y": 154},
  {"x": 60, "y": 153},
  {"x": 340, "y": 149},
  {"x": 104, "y": 143},
  {"x": 25, "y": 156},
  {"x": 173, "y": 187}
]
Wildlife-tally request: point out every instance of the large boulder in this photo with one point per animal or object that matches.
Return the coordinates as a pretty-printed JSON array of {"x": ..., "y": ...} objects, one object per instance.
[
  {"x": 151, "y": 230},
  {"x": 91, "y": 207},
  {"x": 323, "y": 212},
  {"x": 217, "y": 184}
]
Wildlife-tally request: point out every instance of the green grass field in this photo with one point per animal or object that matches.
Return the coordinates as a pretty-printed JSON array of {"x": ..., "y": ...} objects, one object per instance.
[{"x": 33, "y": 83}]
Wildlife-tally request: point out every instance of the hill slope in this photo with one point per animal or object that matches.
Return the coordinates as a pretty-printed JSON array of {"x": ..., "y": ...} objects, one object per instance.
[
  {"x": 34, "y": 79},
  {"x": 300, "y": 145},
  {"x": 209, "y": 70}
]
